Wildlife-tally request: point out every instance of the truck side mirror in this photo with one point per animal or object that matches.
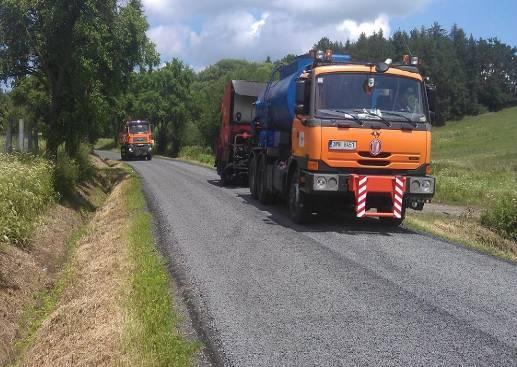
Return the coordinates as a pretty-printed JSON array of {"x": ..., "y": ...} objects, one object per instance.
[
  {"x": 431, "y": 99},
  {"x": 301, "y": 97}
]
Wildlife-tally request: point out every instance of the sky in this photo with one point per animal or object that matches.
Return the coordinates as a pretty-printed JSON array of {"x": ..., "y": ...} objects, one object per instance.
[{"x": 201, "y": 32}]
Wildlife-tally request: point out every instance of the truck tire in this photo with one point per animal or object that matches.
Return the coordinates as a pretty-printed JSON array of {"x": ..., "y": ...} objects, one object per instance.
[
  {"x": 299, "y": 208},
  {"x": 149, "y": 157},
  {"x": 224, "y": 177},
  {"x": 252, "y": 178},
  {"x": 264, "y": 195}
]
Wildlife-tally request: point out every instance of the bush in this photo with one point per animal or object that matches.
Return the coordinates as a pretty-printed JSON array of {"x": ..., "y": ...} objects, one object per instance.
[
  {"x": 502, "y": 218},
  {"x": 70, "y": 171},
  {"x": 67, "y": 174},
  {"x": 26, "y": 189},
  {"x": 197, "y": 153},
  {"x": 86, "y": 168}
]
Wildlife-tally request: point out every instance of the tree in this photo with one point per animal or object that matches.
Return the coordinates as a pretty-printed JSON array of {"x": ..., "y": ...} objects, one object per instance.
[{"x": 81, "y": 51}]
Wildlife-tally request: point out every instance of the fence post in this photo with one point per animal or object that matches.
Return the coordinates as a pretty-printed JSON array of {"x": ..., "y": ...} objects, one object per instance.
[
  {"x": 36, "y": 139},
  {"x": 29, "y": 136},
  {"x": 20, "y": 142},
  {"x": 9, "y": 136}
]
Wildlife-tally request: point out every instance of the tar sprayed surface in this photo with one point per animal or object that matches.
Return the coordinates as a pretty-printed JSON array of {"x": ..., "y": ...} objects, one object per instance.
[{"x": 265, "y": 292}]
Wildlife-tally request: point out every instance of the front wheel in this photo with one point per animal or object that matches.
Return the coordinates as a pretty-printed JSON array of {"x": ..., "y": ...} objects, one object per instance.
[
  {"x": 299, "y": 207},
  {"x": 222, "y": 174},
  {"x": 149, "y": 157}
]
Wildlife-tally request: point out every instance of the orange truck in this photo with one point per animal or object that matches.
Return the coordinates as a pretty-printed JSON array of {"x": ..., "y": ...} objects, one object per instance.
[
  {"x": 136, "y": 140},
  {"x": 331, "y": 133}
]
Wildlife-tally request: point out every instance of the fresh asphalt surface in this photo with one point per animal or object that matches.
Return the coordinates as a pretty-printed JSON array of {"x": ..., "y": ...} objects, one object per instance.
[{"x": 265, "y": 292}]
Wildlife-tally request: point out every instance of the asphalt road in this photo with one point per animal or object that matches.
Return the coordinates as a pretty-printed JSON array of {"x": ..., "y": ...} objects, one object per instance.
[{"x": 265, "y": 292}]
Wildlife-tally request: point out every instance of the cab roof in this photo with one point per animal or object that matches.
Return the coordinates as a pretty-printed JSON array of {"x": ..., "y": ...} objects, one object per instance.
[{"x": 364, "y": 68}]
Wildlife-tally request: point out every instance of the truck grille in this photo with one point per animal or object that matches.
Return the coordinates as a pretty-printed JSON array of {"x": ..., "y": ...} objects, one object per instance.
[
  {"x": 380, "y": 155},
  {"x": 371, "y": 162},
  {"x": 139, "y": 140}
]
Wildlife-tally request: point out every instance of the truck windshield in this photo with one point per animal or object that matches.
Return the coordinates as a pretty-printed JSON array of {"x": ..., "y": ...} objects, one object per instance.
[
  {"x": 138, "y": 128},
  {"x": 390, "y": 97}
]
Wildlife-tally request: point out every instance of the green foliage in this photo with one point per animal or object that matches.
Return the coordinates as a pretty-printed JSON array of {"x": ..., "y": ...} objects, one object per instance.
[
  {"x": 71, "y": 171},
  {"x": 106, "y": 144},
  {"x": 86, "y": 168},
  {"x": 502, "y": 218},
  {"x": 198, "y": 154},
  {"x": 66, "y": 174},
  {"x": 26, "y": 189},
  {"x": 151, "y": 331},
  {"x": 80, "y": 54},
  {"x": 208, "y": 90},
  {"x": 164, "y": 98}
]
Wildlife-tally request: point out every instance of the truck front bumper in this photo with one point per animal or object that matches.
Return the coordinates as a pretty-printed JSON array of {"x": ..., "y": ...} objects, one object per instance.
[
  {"x": 138, "y": 150},
  {"x": 422, "y": 187}
]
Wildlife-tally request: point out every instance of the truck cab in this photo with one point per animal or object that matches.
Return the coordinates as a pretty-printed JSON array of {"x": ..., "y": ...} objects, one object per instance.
[
  {"x": 136, "y": 140},
  {"x": 360, "y": 138}
]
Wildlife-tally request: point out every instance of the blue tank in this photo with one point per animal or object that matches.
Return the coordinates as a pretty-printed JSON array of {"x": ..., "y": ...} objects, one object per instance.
[{"x": 275, "y": 108}]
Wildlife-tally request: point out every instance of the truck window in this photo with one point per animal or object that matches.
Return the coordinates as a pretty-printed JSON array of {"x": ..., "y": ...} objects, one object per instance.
[
  {"x": 138, "y": 128},
  {"x": 386, "y": 93}
]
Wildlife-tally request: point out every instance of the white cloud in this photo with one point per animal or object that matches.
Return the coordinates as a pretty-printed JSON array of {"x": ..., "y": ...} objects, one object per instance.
[
  {"x": 354, "y": 29},
  {"x": 204, "y": 31}
]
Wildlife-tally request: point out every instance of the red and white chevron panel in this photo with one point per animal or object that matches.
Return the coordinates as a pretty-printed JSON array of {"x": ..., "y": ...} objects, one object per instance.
[
  {"x": 398, "y": 196},
  {"x": 360, "y": 206}
]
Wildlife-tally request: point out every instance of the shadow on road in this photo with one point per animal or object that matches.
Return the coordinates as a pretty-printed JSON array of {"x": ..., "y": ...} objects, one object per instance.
[
  {"x": 341, "y": 222},
  {"x": 329, "y": 221}
]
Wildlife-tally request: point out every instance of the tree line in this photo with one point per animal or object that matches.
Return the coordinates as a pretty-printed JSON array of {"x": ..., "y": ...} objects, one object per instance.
[{"x": 85, "y": 66}]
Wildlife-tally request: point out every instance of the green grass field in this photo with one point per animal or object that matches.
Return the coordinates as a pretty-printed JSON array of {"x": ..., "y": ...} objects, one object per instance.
[
  {"x": 106, "y": 144},
  {"x": 475, "y": 160}
]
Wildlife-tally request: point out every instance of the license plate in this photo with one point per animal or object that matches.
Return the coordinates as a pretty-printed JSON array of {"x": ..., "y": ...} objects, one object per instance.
[{"x": 342, "y": 145}]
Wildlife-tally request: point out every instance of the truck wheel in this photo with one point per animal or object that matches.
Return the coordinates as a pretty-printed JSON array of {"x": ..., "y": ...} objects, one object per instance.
[
  {"x": 299, "y": 208},
  {"x": 252, "y": 178},
  {"x": 149, "y": 157},
  {"x": 264, "y": 195},
  {"x": 224, "y": 177}
]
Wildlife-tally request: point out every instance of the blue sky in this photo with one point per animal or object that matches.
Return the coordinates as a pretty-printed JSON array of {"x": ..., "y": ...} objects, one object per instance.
[
  {"x": 201, "y": 32},
  {"x": 484, "y": 19}
]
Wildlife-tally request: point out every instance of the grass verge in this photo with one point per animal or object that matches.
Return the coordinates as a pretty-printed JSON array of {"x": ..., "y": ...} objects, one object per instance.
[
  {"x": 151, "y": 333},
  {"x": 465, "y": 231},
  {"x": 33, "y": 318},
  {"x": 197, "y": 154},
  {"x": 106, "y": 144}
]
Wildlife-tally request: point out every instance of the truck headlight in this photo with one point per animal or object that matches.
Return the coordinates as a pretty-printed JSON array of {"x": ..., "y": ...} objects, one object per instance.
[
  {"x": 325, "y": 183},
  {"x": 320, "y": 183},
  {"x": 426, "y": 186},
  {"x": 415, "y": 186},
  {"x": 131, "y": 150},
  {"x": 421, "y": 185}
]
